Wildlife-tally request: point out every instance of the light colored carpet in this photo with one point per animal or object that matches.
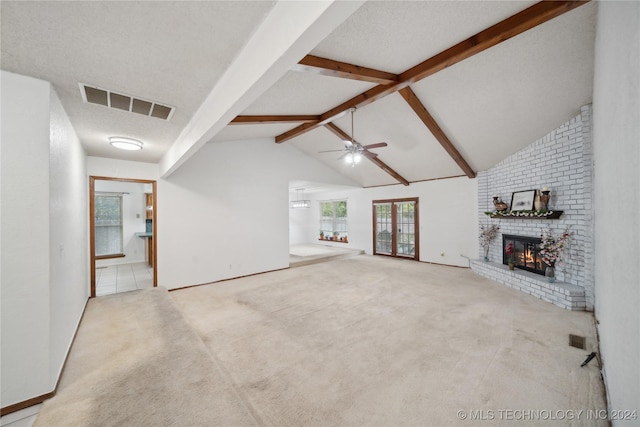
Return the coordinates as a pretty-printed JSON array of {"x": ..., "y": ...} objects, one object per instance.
[
  {"x": 136, "y": 362},
  {"x": 363, "y": 341},
  {"x": 379, "y": 341}
]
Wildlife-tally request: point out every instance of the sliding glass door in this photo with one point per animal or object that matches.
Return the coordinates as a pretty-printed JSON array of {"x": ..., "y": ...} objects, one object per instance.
[{"x": 395, "y": 228}]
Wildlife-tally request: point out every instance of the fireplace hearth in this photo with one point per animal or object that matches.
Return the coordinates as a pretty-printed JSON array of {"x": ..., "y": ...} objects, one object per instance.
[{"x": 526, "y": 253}]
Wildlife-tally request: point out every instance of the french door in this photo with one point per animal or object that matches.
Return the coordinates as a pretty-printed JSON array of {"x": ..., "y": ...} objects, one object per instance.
[{"x": 395, "y": 228}]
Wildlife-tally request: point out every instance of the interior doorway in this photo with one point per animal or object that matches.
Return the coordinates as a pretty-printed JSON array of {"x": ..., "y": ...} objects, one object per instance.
[
  {"x": 123, "y": 234},
  {"x": 396, "y": 228}
]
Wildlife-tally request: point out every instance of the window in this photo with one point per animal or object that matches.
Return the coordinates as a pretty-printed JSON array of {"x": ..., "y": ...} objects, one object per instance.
[
  {"x": 333, "y": 219},
  {"x": 108, "y": 225}
]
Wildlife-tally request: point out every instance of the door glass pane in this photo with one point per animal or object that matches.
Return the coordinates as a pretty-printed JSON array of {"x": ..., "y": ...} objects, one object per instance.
[
  {"x": 406, "y": 229},
  {"x": 384, "y": 228}
]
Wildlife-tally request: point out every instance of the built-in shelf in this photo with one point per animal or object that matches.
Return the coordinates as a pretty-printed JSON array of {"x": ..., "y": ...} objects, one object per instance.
[{"x": 526, "y": 214}]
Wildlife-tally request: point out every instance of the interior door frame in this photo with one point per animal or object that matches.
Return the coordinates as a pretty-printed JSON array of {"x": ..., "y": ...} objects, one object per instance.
[
  {"x": 394, "y": 235},
  {"x": 92, "y": 230}
]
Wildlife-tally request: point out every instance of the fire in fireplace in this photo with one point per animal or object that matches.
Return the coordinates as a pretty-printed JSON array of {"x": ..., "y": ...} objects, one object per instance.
[{"x": 526, "y": 253}]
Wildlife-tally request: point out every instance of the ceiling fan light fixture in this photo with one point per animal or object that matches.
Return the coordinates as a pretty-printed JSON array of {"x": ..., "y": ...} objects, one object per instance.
[
  {"x": 353, "y": 158},
  {"x": 124, "y": 143}
]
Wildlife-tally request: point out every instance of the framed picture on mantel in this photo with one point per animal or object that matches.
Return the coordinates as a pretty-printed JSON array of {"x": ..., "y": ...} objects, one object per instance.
[{"x": 522, "y": 200}]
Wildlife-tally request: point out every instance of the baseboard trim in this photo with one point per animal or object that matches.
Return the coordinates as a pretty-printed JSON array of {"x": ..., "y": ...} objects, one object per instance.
[
  {"x": 39, "y": 399},
  {"x": 225, "y": 280},
  {"x": 26, "y": 403}
]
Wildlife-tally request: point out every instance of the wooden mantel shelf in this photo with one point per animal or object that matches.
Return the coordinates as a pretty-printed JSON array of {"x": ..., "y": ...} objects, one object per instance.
[{"x": 526, "y": 214}]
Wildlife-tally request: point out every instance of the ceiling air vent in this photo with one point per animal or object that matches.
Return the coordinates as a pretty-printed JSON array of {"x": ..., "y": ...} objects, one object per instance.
[{"x": 95, "y": 95}]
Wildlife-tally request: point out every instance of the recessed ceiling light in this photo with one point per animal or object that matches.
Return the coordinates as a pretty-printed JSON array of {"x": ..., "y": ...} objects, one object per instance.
[{"x": 125, "y": 143}]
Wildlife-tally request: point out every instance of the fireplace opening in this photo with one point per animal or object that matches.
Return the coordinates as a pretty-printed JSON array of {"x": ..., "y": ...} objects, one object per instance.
[{"x": 526, "y": 253}]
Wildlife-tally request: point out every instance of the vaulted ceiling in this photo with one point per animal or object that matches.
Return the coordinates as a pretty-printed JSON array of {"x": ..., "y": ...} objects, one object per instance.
[{"x": 452, "y": 88}]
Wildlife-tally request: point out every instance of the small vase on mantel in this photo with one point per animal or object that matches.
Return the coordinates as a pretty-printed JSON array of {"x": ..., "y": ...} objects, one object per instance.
[
  {"x": 537, "y": 202},
  {"x": 550, "y": 273},
  {"x": 499, "y": 204},
  {"x": 544, "y": 198}
]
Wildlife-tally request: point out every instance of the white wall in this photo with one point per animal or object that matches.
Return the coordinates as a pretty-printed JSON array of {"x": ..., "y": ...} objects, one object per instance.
[
  {"x": 68, "y": 222},
  {"x": 616, "y": 154},
  {"x": 25, "y": 272},
  {"x": 44, "y": 269},
  {"x": 302, "y": 229},
  {"x": 225, "y": 212},
  {"x": 111, "y": 168},
  {"x": 447, "y": 215}
]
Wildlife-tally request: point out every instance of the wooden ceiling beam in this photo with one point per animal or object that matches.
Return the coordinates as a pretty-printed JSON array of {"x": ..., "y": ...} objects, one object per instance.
[
  {"x": 364, "y": 98},
  {"x": 409, "y": 95},
  {"x": 385, "y": 167},
  {"x": 520, "y": 22},
  {"x": 329, "y": 67},
  {"x": 374, "y": 159},
  {"x": 337, "y": 132},
  {"x": 245, "y": 120}
]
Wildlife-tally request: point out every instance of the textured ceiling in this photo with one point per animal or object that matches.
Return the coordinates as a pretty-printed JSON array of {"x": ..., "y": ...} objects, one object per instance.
[
  {"x": 394, "y": 36},
  {"x": 170, "y": 52},
  {"x": 489, "y": 105}
]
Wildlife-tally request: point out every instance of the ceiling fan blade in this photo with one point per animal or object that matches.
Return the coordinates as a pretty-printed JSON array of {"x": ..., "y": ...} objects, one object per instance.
[
  {"x": 369, "y": 154},
  {"x": 343, "y": 156},
  {"x": 378, "y": 145}
]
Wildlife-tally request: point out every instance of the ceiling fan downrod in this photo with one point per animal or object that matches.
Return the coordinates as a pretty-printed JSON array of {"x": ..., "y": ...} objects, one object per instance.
[{"x": 354, "y": 156}]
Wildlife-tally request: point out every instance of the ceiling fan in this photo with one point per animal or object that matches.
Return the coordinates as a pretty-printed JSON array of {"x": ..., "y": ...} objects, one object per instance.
[{"x": 353, "y": 150}]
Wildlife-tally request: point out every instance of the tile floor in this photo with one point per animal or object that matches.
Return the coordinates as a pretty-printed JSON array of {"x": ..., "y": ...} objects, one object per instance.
[{"x": 115, "y": 279}]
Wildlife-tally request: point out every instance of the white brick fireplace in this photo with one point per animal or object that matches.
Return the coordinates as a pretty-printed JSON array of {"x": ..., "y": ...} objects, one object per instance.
[{"x": 561, "y": 160}]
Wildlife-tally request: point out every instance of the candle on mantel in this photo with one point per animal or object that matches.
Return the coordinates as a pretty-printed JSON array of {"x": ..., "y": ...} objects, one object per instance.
[{"x": 545, "y": 188}]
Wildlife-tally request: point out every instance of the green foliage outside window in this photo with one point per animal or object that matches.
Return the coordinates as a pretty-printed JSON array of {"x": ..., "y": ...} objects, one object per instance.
[
  {"x": 333, "y": 220},
  {"x": 108, "y": 225}
]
